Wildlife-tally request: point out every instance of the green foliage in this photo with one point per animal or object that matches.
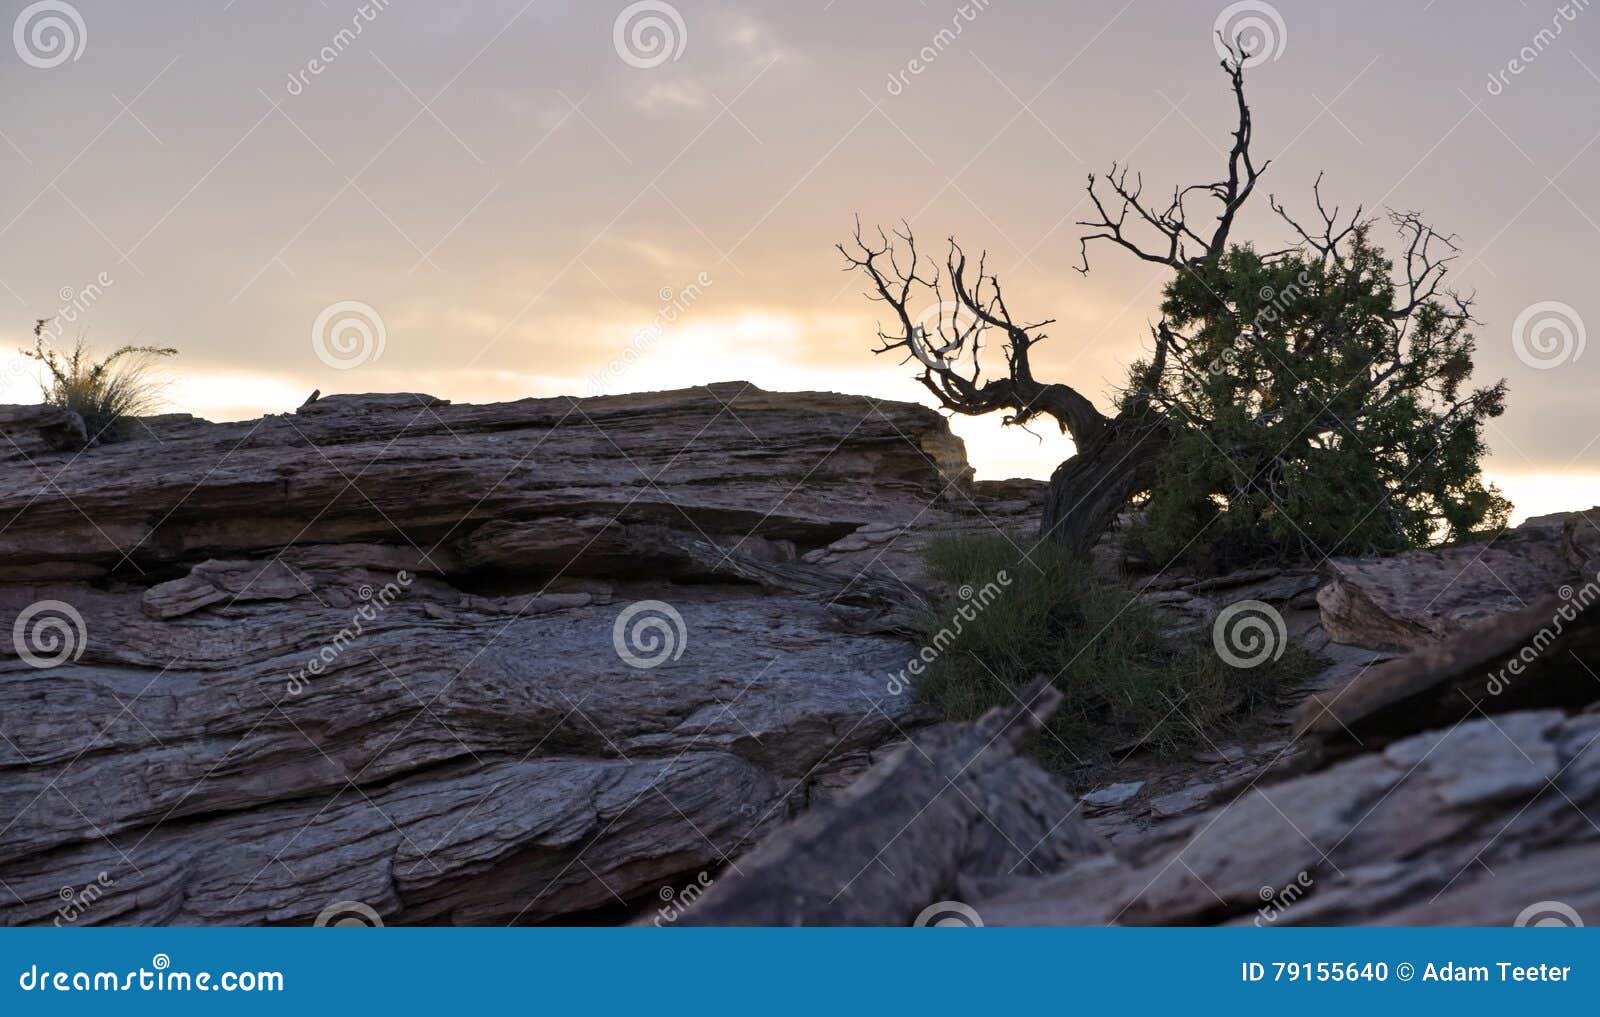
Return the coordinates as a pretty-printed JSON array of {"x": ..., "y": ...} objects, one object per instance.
[
  {"x": 102, "y": 392},
  {"x": 1311, "y": 418},
  {"x": 1124, "y": 678}
]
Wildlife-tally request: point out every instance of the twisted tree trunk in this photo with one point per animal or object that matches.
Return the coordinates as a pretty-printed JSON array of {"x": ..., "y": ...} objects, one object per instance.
[{"x": 1090, "y": 489}]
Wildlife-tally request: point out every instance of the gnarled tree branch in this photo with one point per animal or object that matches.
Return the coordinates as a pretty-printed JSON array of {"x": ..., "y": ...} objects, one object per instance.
[
  {"x": 1180, "y": 245},
  {"x": 943, "y": 319}
]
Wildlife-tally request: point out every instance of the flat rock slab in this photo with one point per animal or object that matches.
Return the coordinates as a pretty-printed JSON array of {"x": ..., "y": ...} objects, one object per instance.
[
  {"x": 726, "y": 460},
  {"x": 1543, "y": 655},
  {"x": 1420, "y": 597},
  {"x": 1112, "y": 795}
]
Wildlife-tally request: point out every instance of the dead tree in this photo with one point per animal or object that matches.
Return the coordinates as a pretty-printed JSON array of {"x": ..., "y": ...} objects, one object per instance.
[{"x": 943, "y": 319}]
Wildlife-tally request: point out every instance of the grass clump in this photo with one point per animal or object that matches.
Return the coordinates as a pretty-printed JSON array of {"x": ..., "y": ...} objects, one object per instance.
[
  {"x": 104, "y": 392},
  {"x": 1124, "y": 677}
]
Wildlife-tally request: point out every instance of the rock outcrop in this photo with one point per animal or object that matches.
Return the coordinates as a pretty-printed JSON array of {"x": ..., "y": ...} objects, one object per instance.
[
  {"x": 543, "y": 661},
  {"x": 1470, "y": 824},
  {"x": 1546, "y": 654},
  {"x": 475, "y": 664},
  {"x": 955, "y": 803},
  {"x": 563, "y": 480},
  {"x": 1411, "y": 600}
]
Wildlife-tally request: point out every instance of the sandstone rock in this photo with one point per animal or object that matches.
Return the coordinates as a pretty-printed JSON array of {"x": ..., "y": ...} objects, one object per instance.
[
  {"x": 1193, "y": 604},
  {"x": 1112, "y": 795},
  {"x": 1269, "y": 585},
  {"x": 1419, "y": 597},
  {"x": 1543, "y": 655},
  {"x": 27, "y": 431},
  {"x": 1182, "y": 801},
  {"x": 954, "y": 804},
  {"x": 380, "y": 649},
  {"x": 1370, "y": 840},
  {"x": 530, "y": 662},
  {"x": 1580, "y": 531},
  {"x": 724, "y": 462},
  {"x": 987, "y": 508},
  {"x": 211, "y": 582}
]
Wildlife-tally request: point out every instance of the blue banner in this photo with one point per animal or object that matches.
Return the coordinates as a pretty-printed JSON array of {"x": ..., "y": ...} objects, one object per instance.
[{"x": 802, "y": 971}]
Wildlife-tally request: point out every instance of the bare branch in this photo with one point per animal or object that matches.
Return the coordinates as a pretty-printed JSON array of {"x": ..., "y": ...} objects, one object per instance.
[
  {"x": 944, "y": 331},
  {"x": 1179, "y": 245}
]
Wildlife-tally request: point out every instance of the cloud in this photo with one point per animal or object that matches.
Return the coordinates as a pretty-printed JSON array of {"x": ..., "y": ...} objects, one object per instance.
[
  {"x": 740, "y": 47},
  {"x": 684, "y": 93}
]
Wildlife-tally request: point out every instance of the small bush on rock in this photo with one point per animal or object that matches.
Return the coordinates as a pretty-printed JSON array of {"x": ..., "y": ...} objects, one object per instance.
[
  {"x": 103, "y": 392},
  {"x": 1127, "y": 676}
]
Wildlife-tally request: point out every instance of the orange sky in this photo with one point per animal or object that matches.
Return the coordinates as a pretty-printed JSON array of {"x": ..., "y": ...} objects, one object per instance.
[{"x": 545, "y": 198}]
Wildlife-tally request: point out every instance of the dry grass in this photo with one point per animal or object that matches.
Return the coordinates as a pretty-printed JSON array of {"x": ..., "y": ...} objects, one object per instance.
[{"x": 104, "y": 392}]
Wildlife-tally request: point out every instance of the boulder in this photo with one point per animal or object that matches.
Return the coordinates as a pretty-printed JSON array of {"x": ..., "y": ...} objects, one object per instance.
[
  {"x": 28, "y": 431},
  {"x": 1581, "y": 533},
  {"x": 1408, "y": 600},
  {"x": 955, "y": 803}
]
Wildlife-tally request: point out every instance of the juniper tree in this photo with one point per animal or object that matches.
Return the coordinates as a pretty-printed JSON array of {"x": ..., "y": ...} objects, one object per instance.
[{"x": 1303, "y": 401}]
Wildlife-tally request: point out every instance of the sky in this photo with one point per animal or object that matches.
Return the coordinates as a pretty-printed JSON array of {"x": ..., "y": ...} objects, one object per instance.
[{"x": 498, "y": 199}]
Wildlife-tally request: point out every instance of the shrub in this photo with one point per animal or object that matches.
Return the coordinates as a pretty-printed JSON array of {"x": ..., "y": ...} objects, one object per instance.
[
  {"x": 102, "y": 392},
  {"x": 1125, "y": 676},
  {"x": 1310, "y": 419}
]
